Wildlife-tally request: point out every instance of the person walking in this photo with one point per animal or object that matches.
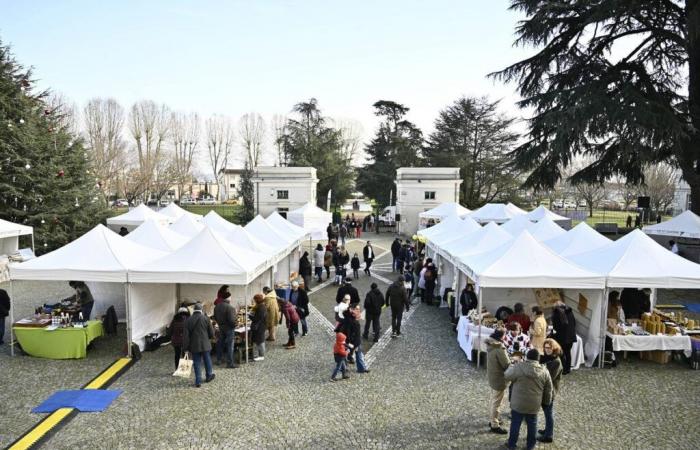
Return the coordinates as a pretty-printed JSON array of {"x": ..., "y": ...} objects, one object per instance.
[
  {"x": 258, "y": 325},
  {"x": 430, "y": 277},
  {"x": 292, "y": 319},
  {"x": 368, "y": 256},
  {"x": 273, "y": 312},
  {"x": 358, "y": 228},
  {"x": 538, "y": 329},
  {"x": 497, "y": 362},
  {"x": 355, "y": 265},
  {"x": 340, "y": 353},
  {"x": 352, "y": 328},
  {"x": 374, "y": 301},
  {"x": 397, "y": 297},
  {"x": 327, "y": 261},
  {"x": 305, "y": 271},
  {"x": 300, "y": 299},
  {"x": 177, "y": 332},
  {"x": 532, "y": 387},
  {"x": 329, "y": 232},
  {"x": 197, "y": 340},
  {"x": 551, "y": 361},
  {"x": 395, "y": 249},
  {"x": 319, "y": 253},
  {"x": 343, "y": 234},
  {"x": 564, "y": 324},
  {"x": 225, "y": 316},
  {"x": 5, "y": 311}
]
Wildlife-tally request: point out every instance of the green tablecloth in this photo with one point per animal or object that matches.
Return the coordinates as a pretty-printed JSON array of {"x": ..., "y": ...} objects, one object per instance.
[{"x": 62, "y": 343}]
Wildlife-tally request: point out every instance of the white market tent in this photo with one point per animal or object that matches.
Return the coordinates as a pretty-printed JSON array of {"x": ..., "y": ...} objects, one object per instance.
[
  {"x": 312, "y": 219},
  {"x": 187, "y": 226},
  {"x": 135, "y": 217},
  {"x": 243, "y": 239},
  {"x": 441, "y": 212},
  {"x": 546, "y": 229},
  {"x": 460, "y": 227},
  {"x": 283, "y": 243},
  {"x": 175, "y": 212},
  {"x": 636, "y": 260},
  {"x": 504, "y": 274},
  {"x": 447, "y": 224},
  {"x": 283, "y": 226},
  {"x": 154, "y": 235},
  {"x": 517, "y": 225},
  {"x": 541, "y": 212},
  {"x": 686, "y": 225},
  {"x": 218, "y": 223},
  {"x": 496, "y": 212},
  {"x": 9, "y": 236},
  {"x": 580, "y": 239},
  {"x": 101, "y": 258}
]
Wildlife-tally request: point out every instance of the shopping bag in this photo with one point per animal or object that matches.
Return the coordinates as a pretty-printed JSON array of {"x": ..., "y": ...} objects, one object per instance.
[{"x": 184, "y": 367}]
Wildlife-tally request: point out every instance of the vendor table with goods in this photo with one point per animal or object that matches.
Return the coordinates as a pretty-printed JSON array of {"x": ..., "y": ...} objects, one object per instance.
[
  {"x": 40, "y": 338},
  {"x": 658, "y": 331},
  {"x": 468, "y": 338}
]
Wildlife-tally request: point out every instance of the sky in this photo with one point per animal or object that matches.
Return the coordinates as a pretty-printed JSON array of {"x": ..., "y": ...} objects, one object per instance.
[{"x": 236, "y": 57}]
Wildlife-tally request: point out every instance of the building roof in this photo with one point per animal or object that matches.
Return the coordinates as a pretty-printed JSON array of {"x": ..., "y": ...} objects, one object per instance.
[{"x": 427, "y": 173}]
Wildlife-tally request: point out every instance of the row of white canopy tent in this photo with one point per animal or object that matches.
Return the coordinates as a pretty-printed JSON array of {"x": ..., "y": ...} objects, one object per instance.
[
  {"x": 142, "y": 213},
  {"x": 9, "y": 236},
  {"x": 506, "y": 261},
  {"x": 155, "y": 267}
]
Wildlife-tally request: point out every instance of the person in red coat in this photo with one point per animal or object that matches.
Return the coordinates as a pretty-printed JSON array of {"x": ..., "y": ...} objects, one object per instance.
[
  {"x": 520, "y": 317},
  {"x": 340, "y": 352}
]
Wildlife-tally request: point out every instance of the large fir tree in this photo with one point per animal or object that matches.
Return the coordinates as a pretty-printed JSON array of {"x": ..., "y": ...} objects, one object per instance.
[
  {"x": 45, "y": 176},
  {"x": 397, "y": 143}
]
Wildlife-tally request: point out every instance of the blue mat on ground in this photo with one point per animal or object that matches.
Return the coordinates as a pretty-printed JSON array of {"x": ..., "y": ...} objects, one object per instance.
[
  {"x": 85, "y": 400},
  {"x": 693, "y": 307}
]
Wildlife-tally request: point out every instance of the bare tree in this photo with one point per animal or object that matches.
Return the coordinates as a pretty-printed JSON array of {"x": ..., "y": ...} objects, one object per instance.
[
  {"x": 350, "y": 141},
  {"x": 628, "y": 192},
  {"x": 185, "y": 138},
  {"x": 220, "y": 138},
  {"x": 592, "y": 193},
  {"x": 104, "y": 125},
  {"x": 659, "y": 185},
  {"x": 149, "y": 124},
  {"x": 251, "y": 130},
  {"x": 279, "y": 129}
]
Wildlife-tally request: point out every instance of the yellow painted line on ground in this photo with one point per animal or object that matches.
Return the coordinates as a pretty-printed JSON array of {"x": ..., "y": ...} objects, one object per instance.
[
  {"x": 39, "y": 431},
  {"x": 62, "y": 415},
  {"x": 108, "y": 374}
]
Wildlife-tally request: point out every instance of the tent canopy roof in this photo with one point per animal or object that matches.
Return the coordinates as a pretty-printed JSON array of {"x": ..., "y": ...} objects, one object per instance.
[
  {"x": 187, "y": 226},
  {"x": 240, "y": 237},
  {"x": 541, "y": 212},
  {"x": 449, "y": 223},
  {"x": 460, "y": 227},
  {"x": 175, "y": 212},
  {"x": 309, "y": 210},
  {"x": 486, "y": 238},
  {"x": 207, "y": 258},
  {"x": 546, "y": 229},
  {"x": 636, "y": 260},
  {"x": 524, "y": 262},
  {"x": 517, "y": 225},
  {"x": 98, "y": 255},
  {"x": 580, "y": 239},
  {"x": 496, "y": 212},
  {"x": 218, "y": 223},
  {"x": 445, "y": 210},
  {"x": 265, "y": 232},
  {"x": 283, "y": 226},
  {"x": 8, "y": 229},
  {"x": 686, "y": 224},
  {"x": 155, "y": 235},
  {"x": 137, "y": 216}
]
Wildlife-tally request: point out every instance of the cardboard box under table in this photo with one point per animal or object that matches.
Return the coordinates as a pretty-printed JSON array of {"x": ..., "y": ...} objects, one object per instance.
[{"x": 61, "y": 343}]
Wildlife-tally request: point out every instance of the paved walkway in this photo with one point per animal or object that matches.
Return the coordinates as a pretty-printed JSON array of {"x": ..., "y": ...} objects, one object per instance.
[{"x": 421, "y": 393}]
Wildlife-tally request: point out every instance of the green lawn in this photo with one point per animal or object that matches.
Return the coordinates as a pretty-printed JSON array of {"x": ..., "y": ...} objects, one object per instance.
[{"x": 228, "y": 212}]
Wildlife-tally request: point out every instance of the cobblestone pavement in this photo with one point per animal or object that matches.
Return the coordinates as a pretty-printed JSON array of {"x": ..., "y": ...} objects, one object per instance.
[{"x": 421, "y": 393}]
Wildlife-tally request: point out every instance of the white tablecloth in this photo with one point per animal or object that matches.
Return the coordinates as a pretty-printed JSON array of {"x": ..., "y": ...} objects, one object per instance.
[
  {"x": 634, "y": 343},
  {"x": 468, "y": 338}
]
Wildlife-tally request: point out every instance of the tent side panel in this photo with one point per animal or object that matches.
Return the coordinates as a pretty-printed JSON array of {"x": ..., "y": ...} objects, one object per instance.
[
  {"x": 152, "y": 309},
  {"x": 588, "y": 321},
  {"x": 106, "y": 295}
]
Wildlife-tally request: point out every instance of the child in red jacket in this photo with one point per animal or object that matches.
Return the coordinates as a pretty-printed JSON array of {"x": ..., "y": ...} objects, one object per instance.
[{"x": 340, "y": 352}]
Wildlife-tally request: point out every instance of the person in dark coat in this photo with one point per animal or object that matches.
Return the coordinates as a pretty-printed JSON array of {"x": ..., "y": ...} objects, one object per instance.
[
  {"x": 225, "y": 316},
  {"x": 258, "y": 326},
  {"x": 329, "y": 232},
  {"x": 349, "y": 289},
  {"x": 468, "y": 299},
  {"x": 222, "y": 293},
  {"x": 291, "y": 317},
  {"x": 305, "y": 270},
  {"x": 351, "y": 329},
  {"x": 550, "y": 359},
  {"x": 355, "y": 265},
  {"x": 631, "y": 300},
  {"x": 374, "y": 301},
  {"x": 4, "y": 312},
  {"x": 395, "y": 249},
  {"x": 564, "y": 324},
  {"x": 368, "y": 257},
  {"x": 123, "y": 231},
  {"x": 397, "y": 297},
  {"x": 177, "y": 332},
  {"x": 300, "y": 299},
  {"x": 430, "y": 277},
  {"x": 197, "y": 340}
]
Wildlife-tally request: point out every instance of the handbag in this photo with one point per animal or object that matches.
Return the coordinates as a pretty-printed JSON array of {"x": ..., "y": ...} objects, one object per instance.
[{"x": 184, "y": 367}]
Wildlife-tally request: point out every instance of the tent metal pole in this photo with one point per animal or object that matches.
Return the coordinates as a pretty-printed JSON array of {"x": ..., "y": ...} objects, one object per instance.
[
  {"x": 33, "y": 249},
  {"x": 127, "y": 289},
  {"x": 604, "y": 327},
  {"x": 12, "y": 318},
  {"x": 478, "y": 339},
  {"x": 245, "y": 322}
]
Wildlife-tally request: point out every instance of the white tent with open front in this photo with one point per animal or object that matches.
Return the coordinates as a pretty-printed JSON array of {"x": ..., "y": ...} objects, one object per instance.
[{"x": 312, "y": 219}]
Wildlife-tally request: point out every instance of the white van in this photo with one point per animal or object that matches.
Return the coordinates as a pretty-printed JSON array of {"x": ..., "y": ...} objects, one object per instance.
[{"x": 387, "y": 218}]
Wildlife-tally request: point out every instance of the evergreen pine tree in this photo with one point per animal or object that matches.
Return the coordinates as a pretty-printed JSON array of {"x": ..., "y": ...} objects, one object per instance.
[
  {"x": 247, "y": 191},
  {"x": 45, "y": 176}
]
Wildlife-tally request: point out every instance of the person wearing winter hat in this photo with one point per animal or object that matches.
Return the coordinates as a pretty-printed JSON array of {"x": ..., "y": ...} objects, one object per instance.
[
  {"x": 497, "y": 362},
  {"x": 197, "y": 340},
  {"x": 177, "y": 332},
  {"x": 532, "y": 388}
]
